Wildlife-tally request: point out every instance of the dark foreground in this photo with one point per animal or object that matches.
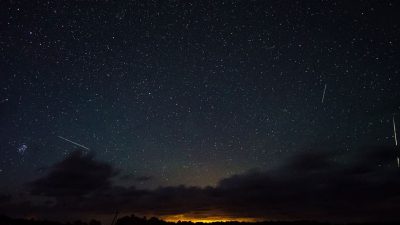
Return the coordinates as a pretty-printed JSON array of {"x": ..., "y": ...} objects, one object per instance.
[{"x": 134, "y": 220}]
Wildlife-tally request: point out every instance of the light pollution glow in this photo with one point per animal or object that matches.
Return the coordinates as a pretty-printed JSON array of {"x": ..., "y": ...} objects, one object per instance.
[{"x": 206, "y": 219}]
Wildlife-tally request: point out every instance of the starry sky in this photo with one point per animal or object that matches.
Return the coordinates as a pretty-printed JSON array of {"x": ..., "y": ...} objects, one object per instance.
[{"x": 199, "y": 98}]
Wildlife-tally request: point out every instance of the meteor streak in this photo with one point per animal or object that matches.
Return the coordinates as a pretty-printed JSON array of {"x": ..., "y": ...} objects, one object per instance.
[
  {"x": 394, "y": 131},
  {"x": 395, "y": 140},
  {"x": 77, "y": 144},
  {"x": 269, "y": 48},
  {"x": 323, "y": 94}
]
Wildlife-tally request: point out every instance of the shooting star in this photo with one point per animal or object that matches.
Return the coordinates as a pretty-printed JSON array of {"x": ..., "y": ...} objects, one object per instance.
[
  {"x": 115, "y": 218},
  {"x": 269, "y": 48},
  {"x": 4, "y": 100},
  {"x": 323, "y": 94},
  {"x": 77, "y": 144},
  {"x": 394, "y": 131},
  {"x": 398, "y": 162},
  {"x": 395, "y": 140}
]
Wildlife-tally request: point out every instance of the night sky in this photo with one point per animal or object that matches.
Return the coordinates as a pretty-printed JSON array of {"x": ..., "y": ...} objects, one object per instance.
[{"x": 244, "y": 110}]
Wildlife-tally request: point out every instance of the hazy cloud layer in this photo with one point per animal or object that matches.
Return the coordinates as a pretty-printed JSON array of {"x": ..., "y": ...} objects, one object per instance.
[
  {"x": 77, "y": 175},
  {"x": 316, "y": 185}
]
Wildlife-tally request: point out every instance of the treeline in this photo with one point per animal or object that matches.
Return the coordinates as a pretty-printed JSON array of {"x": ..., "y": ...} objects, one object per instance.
[{"x": 134, "y": 220}]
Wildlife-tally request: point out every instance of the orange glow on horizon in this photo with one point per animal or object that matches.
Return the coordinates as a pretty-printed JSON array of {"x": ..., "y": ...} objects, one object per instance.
[{"x": 206, "y": 219}]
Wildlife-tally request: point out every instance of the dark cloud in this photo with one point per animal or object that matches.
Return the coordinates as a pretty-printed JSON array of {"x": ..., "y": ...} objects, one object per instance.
[
  {"x": 322, "y": 186},
  {"x": 136, "y": 178},
  {"x": 310, "y": 161},
  {"x": 77, "y": 175},
  {"x": 4, "y": 198}
]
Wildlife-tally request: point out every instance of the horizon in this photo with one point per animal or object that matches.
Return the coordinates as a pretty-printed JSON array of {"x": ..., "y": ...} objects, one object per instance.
[{"x": 135, "y": 219}]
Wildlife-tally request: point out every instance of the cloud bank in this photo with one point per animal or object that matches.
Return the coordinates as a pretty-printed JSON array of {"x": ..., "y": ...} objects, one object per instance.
[{"x": 316, "y": 185}]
